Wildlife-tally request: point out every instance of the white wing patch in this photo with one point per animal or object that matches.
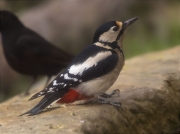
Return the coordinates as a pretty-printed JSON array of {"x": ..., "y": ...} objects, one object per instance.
[
  {"x": 91, "y": 61},
  {"x": 55, "y": 83},
  {"x": 50, "y": 90},
  {"x": 69, "y": 78}
]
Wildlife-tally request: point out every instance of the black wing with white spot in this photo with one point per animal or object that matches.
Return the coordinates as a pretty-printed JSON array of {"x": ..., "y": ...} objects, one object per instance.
[
  {"x": 57, "y": 84},
  {"x": 91, "y": 63}
]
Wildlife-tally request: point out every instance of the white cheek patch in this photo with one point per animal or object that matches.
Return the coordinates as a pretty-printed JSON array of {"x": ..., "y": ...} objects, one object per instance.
[
  {"x": 91, "y": 61},
  {"x": 108, "y": 36}
]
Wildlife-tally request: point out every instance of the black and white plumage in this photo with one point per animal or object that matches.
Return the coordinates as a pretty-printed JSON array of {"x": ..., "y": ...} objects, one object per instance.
[{"x": 93, "y": 70}]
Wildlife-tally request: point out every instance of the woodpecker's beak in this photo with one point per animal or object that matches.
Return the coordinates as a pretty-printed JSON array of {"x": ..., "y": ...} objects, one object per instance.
[
  {"x": 125, "y": 25},
  {"x": 128, "y": 22}
]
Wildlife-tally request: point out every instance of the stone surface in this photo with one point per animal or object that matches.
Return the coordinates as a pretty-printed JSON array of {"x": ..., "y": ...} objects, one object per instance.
[{"x": 150, "y": 97}]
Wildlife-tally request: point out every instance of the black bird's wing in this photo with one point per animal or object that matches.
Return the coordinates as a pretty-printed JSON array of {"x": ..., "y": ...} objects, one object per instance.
[
  {"x": 32, "y": 46},
  {"x": 38, "y": 54}
]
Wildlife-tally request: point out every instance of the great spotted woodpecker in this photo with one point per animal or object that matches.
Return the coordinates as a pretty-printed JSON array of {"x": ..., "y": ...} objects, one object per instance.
[{"x": 93, "y": 70}]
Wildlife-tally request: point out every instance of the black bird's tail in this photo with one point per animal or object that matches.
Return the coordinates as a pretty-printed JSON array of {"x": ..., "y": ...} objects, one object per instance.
[{"x": 46, "y": 101}]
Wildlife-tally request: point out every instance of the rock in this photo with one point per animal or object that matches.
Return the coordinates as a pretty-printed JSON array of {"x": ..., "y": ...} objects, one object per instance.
[{"x": 150, "y": 97}]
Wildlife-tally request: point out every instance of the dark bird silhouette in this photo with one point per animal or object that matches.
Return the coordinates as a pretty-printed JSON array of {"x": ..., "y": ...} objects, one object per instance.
[{"x": 27, "y": 52}]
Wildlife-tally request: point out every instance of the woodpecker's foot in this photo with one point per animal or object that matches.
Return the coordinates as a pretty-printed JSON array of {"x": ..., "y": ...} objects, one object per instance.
[
  {"x": 114, "y": 92},
  {"x": 105, "y": 101}
]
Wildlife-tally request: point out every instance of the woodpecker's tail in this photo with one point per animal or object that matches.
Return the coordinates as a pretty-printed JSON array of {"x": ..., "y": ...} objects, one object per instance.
[{"x": 46, "y": 101}]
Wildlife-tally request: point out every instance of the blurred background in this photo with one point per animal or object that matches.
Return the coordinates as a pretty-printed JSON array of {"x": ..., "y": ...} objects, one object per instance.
[{"x": 70, "y": 25}]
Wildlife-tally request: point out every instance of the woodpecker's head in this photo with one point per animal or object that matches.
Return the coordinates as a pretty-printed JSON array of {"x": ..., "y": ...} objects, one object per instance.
[{"x": 112, "y": 32}]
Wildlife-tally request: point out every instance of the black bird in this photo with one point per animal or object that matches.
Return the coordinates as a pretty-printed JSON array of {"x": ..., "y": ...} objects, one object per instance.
[{"x": 27, "y": 52}]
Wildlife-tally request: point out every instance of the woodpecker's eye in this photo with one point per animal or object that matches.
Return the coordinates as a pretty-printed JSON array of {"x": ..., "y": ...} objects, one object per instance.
[{"x": 115, "y": 28}]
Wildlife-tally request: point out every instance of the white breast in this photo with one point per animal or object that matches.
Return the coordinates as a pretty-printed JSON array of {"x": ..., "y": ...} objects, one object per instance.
[{"x": 96, "y": 86}]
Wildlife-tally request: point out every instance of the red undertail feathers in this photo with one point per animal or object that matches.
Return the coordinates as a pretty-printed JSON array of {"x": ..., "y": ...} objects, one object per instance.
[{"x": 73, "y": 96}]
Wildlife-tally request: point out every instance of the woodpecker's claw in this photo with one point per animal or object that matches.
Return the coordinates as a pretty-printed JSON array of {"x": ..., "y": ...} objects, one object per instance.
[
  {"x": 116, "y": 104},
  {"x": 104, "y": 101},
  {"x": 114, "y": 92}
]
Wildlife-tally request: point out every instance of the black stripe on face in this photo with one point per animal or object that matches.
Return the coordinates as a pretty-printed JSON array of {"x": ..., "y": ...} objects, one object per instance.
[
  {"x": 113, "y": 45},
  {"x": 120, "y": 34}
]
